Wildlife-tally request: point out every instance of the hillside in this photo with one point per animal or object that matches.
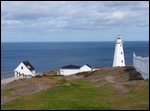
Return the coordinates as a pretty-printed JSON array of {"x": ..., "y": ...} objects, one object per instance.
[{"x": 108, "y": 88}]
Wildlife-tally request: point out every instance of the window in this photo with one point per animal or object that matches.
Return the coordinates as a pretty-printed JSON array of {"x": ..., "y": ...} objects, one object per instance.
[
  {"x": 122, "y": 61},
  {"x": 120, "y": 45},
  {"x": 121, "y": 52},
  {"x": 21, "y": 67}
]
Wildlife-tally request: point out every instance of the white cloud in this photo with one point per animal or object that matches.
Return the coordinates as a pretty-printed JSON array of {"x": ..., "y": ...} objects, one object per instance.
[
  {"x": 64, "y": 15},
  {"x": 118, "y": 15},
  {"x": 11, "y": 22}
]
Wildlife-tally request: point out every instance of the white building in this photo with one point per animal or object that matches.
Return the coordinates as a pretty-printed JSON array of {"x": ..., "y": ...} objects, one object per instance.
[
  {"x": 96, "y": 68},
  {"x": 73, "y": 69},
  {"x": 119, "y": 53},
  {"x": 85, "y": 68},
  {"x": 25, "y": 69}
]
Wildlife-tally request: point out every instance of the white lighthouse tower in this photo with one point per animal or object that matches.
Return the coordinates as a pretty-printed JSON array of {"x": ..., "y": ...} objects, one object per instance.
[{"x": 119, "y": 54}]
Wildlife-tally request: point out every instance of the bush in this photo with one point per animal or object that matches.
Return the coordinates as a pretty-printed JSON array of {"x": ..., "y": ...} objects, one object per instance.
[{"x": 38, "y": 76}]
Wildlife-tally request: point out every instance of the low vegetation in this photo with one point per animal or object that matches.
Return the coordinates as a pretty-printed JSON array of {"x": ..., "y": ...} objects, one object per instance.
[{"x": 108, "y": 89}]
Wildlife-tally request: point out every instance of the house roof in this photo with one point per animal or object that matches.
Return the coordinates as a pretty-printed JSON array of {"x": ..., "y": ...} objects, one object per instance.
[
  {"x": 28, "y": 65},
  {"x": 96, "y": 67},
  {"x": 88, "y": 65},
  {"x": 71, "y": 67}
]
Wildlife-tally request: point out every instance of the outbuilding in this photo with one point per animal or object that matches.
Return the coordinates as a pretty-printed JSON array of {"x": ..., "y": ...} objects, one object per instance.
[
  {"x": 24, "y": 69},
  {"x": 73, "y": 69}
]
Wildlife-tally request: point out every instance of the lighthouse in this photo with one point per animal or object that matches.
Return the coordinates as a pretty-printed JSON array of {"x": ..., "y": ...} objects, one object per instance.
[{"x": 119, "y": 53}]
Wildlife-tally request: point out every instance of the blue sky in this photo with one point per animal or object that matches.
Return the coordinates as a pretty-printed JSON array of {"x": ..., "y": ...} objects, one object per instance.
[{"x": 48, "y": 21}]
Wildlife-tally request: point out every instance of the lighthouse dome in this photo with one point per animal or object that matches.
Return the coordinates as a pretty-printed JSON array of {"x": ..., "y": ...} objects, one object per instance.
[{"x": 119, "y": 39}]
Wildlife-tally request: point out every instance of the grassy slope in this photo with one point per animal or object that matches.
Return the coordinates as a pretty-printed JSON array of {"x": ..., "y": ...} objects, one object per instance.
[{"x": 82, "y": 94}]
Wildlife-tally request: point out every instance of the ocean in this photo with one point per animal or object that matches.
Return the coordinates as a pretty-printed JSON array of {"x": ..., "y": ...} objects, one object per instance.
[{"x": 45, "y": 56}]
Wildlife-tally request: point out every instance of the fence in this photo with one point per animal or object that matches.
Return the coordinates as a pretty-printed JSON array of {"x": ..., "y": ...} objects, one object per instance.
[
  {"x": 142, "y": 65},
  {"x": 5, "y": 75}
]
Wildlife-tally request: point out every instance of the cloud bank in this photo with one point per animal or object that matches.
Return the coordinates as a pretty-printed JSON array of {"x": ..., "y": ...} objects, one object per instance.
[{"x": 44, "y": 17}]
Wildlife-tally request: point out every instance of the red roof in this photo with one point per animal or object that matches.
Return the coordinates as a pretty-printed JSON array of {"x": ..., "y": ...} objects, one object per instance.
[{"x": 96, "y": 67}]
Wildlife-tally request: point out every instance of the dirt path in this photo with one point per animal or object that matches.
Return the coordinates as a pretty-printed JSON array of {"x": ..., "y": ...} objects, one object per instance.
[
  {"x": 110, "y": 79},
  {"x": 23, "y": 86},
  {"x": 121, "y": 87}
]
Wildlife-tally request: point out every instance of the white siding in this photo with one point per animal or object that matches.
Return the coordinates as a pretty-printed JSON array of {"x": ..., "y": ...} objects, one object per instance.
[
  {"x": 94, "y": 69},
  {"x": 24, "y": 71},
  {"x": 33, "y": 71},
  {"x": 85, "y": 68},
  {"x": 68, "y": 71}
]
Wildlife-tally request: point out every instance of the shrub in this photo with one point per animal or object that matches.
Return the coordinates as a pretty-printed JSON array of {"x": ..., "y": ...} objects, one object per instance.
[{"x": 38, "y": 76}]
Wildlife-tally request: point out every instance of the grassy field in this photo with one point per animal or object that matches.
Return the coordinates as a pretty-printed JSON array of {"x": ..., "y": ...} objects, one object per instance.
[
  {"x": 64, "y": 94},
  {"x": 83, "y": 95}
]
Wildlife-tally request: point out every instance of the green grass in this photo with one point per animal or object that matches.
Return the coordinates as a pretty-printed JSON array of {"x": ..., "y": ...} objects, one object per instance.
[
  {"x": 101, "y": 80},
  {"x": 135, "y": 99},
  {"x": 6, "y": 92},
  {"x": 82, "y": 95}
]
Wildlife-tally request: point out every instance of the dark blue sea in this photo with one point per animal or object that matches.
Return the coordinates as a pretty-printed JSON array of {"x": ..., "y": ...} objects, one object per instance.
[{"x": 45, "y": 56}]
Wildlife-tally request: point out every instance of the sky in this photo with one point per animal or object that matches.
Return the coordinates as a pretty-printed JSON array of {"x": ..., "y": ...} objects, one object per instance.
[{"x": 59, "y": 21}]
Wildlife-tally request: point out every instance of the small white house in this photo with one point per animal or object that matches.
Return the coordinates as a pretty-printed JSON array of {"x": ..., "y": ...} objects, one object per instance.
[
  {"x": 25, "y": 69},
  {"x": 73, "y": 69},
  {"x": 85, "y": 68}
]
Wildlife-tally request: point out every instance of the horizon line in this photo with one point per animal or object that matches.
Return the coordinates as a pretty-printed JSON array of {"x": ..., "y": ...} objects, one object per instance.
[{"x": 74, "y": 41}]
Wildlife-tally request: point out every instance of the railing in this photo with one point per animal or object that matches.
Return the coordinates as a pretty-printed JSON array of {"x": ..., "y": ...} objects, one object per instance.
[
  {"x": 5, "y": 75},
  {"x": 142, "y": 65}
]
